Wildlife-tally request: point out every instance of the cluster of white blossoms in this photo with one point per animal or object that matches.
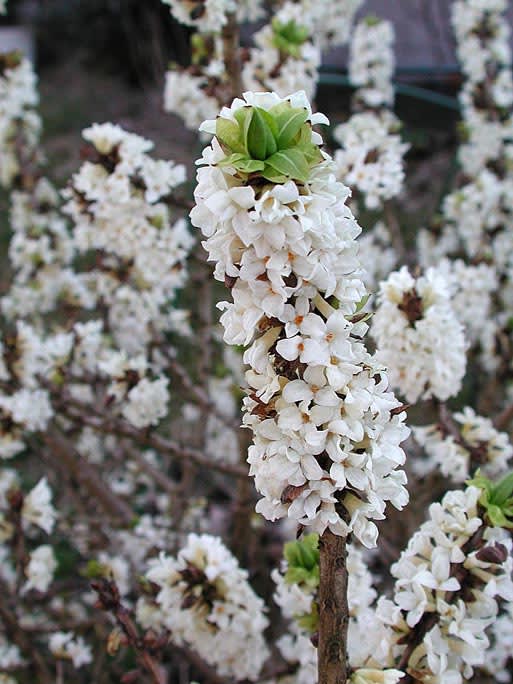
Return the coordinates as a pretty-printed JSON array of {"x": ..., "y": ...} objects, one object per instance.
[
  {"x": 36, "y": 512},
  {"x": 24, "y": 407},
  {"x": 65, "y": 646},
  {"x": 448, "y": 584},
  {"x": 329, "y": 22},
  {"x": 205, "y": 600},
  {"x": 20, "y": 123},
  {"x": 117, "y": 201},
  {"x": 475, "y": 211},
  {"x": 471, "y": 289},
  {"x": 418, "y": 336},
  {"x": 484, "y": 53},
  {"x": 3, "y": 6},
  {"x": 327, "y": 431},
  {"x": 209, "y": 16},
  {"x": 370, "y": 160},
  {"x": 286, "y": 57},
  {"x": 189, "y": 92},
  {"x": 371, "y": 62},
  {"x": 478, "y": 212},
  {"x": 40, "y": 252},
  {"x": 478, "y": 445}
]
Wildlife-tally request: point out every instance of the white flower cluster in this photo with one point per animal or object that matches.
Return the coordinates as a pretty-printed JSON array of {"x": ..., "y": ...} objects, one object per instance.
[
  {"x": 371, "y": 62},
  {"x": 142, "y": 399},
  {"x": 209, "y": 16},
  {"x": 325, "y": 440},
  {"x": 40, "y": 252},
  {"x": 26, "y": 358},
  {"x": 19, "y": 122},
  {"x": 270, "y": 68},
  {"x": 370, "y": 160},
  {"x": 65, "y": 646},
  {"x": 472, "y": 288},
  {"x": 205, "y": 15},
  {"x": 418, "y": 336},
  {"x": 205, "y": 600},
  {"x": 118, "y": 204},
  {"x": 479, "y": 211},
  {"x": 484, "y": 52},
  {"x": 448, "y": 582},
  {"x": 479, "y": 445},
  {"x": 475, "y": 210},
  {"x": 187, "y": 95},
  {"x": 330, "y": 22},
  {"x": 3, "y": 6}
]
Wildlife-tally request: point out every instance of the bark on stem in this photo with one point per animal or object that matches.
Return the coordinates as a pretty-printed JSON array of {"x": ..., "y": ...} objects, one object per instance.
[
  {"x": 333, "y": 609},
  {"x": 232, "y": 60}
]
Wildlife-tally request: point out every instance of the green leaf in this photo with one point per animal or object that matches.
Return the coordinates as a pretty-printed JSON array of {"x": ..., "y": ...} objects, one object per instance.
[
  {"x": 303, "y": 561},
  {"x": 243, "y": 116},
  {"x": 270, "y": 121},
  {"x": 233, "y": 159},
  {"x": 291, "y": 163},
  {"x": 502, "y": 491},
  {"x": 297, "y": 575},
  {"x": 481, "y": 482},
  {"x": 249, "y": 165},
  {"x": 229, "y": 134},
  {"x": 313, "y": 154},
  {"x": 261, "y": 142},
  {"x": 289, "y": 125},
  {"x": 497, "y": 517},
  {"x": 273, "y": 176}
]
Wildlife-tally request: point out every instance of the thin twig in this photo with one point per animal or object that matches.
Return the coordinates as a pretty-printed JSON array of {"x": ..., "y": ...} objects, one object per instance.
[
  {"x": 19, "y": 637},
  {"x": 165, "y": 445},
  {"x": 65, "y": 456}
]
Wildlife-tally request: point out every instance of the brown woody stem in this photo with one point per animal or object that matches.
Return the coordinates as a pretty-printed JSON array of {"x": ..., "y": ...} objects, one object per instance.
[
  {"x": 333, "y": 610},
  {"x": 232, "y": 58}
]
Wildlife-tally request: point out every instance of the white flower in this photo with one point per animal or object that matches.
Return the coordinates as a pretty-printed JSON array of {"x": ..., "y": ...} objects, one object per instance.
[
  {"x": 147, "y": 402},
  {"x": 37, "y": 507},
  {"x": 68, "y": 647},
  {"x": 40, "y": 569}
]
